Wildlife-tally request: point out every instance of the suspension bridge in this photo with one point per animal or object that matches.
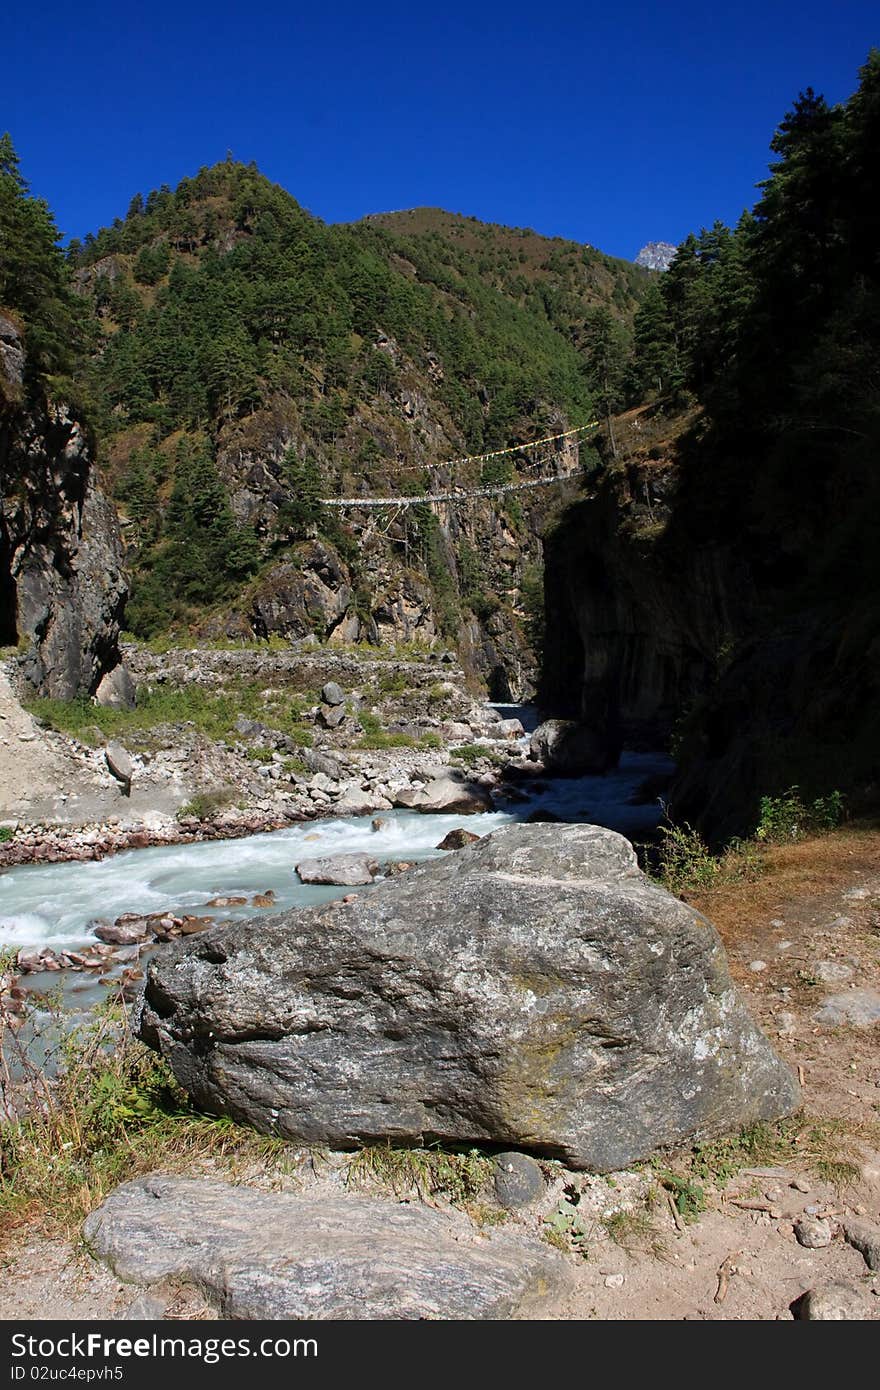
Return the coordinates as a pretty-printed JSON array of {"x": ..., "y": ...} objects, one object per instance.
[{"x": 453, "y": 493}]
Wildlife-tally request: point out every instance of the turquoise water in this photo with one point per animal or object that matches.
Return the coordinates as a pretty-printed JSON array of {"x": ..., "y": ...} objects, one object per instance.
[{"x": 54, "y": 904}]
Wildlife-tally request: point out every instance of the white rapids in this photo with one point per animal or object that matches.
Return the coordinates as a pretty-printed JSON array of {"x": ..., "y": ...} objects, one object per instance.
[{"x": 54, "y": 905}]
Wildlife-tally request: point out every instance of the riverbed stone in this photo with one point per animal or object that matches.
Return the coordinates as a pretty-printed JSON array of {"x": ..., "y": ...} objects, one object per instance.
[
  {"x": 534, "y": 991},
  {"x": 316, "y": 761},
  {"x": 123, "y": 933},
  {"x": 346, "y": 870},
  {"x": 458, "y": 839},
  {"x": 446, "y": 796},
  {"x": 283, "y": 1256},
  {"x": 508, "y": 728}
]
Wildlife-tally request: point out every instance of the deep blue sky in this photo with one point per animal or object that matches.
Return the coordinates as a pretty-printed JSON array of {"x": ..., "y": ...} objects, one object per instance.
[{"x": 610, "y": 124}]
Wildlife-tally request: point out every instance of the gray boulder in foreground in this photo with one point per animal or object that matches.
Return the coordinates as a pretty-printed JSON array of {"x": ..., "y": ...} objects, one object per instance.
[
  {"x": 282, "y": 1256},
  {"x": 534, "y": 990}
]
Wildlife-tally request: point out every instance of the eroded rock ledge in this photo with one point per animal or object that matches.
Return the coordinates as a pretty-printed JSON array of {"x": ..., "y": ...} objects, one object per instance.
[{"x": 535, "y": 991}]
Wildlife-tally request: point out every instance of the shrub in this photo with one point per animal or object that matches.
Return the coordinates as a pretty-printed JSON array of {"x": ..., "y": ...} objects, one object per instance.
[
  {"x": 469, "y": 753},
  {"x": 684, "y": 859},
  {"x": 382, "y": 740},
  {"x": 206, "y": 805},
  {"x": 787, "y": 817},
  {"x": 370, "y": 722}
]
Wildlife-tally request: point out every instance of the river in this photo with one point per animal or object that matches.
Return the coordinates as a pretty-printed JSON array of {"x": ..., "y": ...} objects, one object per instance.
[{"x": 54, "y": 904}]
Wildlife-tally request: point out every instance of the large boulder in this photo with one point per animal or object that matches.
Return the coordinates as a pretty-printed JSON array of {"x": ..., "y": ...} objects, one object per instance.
[
  {"x": 119, "y": 764},
  {"x": 570, "y": 749},
  {"x": 445, "y": 795},
  {"x": 534, "y": 990},
  {"x": 280, "y": 1255}
]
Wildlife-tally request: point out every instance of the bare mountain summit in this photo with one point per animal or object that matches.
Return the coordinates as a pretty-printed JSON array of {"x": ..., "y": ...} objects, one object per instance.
[{"x": 657, "y": 255}]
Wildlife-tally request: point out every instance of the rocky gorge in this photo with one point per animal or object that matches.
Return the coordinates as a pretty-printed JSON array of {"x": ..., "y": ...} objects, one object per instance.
[{"x": 327, "y": 988}]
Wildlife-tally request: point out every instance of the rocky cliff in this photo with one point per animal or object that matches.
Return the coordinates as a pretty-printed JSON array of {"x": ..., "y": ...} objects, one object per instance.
[
  {"x": 635, "y": 622},
  {"x": 657, "y": 255},
  {"x": 464, "y": 575},
  {"x": 62, "y": 588},
  {"x": 688, "y": 608}
]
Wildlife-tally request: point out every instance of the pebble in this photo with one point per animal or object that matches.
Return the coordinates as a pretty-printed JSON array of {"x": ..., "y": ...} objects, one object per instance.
[
  {"x": 801, "y": 1185},
  {"x": 812, "y": 1233},
  {"x": 757, "y": 966},
  {"x": 615, "y": 1281}
]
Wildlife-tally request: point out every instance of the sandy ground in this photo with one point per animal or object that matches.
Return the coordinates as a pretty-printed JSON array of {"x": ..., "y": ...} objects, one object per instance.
[
  {"x": 814, "y": 917},
  {"x": 33, "y": 774},
  {"x": 42, "y": 779}
]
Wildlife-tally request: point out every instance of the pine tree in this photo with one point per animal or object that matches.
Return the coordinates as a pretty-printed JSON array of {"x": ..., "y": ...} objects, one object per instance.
[{"x": 34, "y": 275}]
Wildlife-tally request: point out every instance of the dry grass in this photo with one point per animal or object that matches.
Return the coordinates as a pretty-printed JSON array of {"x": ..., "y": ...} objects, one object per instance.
[
  {"x": 426, "y": 1173},
  {"x": 830, "y": 1149},
  {"x": 102, "y": 1111},
  {"x": 635, "y": 1231},
  {"x": 807, "y": 868}
]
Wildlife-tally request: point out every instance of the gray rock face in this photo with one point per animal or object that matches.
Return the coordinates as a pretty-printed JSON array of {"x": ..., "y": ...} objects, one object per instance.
[
  {"x": 11, "y": 353},
  {"x": 533, "y": 990},
  {"x": 61, "y": 558},
  {"x": 281, "y": 1256},
  {"x": 657, "y": 255},
  {"x": 116, "y": 689},
  {"x": 346, "y": 870},
  {"x": 569, "y": 748}
]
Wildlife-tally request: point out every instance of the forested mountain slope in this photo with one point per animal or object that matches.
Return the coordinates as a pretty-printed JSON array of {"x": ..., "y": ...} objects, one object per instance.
[
  {"x": 251, "y": 359},
  {"x": 725, "y": 587}
]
